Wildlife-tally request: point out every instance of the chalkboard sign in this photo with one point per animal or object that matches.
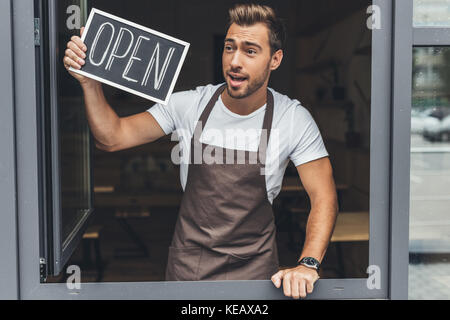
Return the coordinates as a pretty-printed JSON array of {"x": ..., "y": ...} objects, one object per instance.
[{"x": 131, "y": 57}]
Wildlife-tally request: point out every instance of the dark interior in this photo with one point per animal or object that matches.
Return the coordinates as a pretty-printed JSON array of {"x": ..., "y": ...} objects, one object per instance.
[{"x": 326, "y": 66}]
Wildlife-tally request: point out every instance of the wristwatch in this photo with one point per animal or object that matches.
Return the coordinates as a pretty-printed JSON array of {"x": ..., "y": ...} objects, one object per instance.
[{"x": 310, "y": 262}]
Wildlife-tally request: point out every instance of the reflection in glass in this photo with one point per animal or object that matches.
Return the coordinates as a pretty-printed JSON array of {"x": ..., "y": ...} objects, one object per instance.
[
  {"x": 429, "y": 238},
  {"x": 431, "y": 13}
]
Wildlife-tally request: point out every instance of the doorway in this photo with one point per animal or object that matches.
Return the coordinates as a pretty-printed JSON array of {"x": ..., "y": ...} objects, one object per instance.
[{"x": 136, "y": 192}]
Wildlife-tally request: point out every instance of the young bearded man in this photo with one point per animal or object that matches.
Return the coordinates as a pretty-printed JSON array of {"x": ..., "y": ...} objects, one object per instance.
[{"x": 225, "y": 229}]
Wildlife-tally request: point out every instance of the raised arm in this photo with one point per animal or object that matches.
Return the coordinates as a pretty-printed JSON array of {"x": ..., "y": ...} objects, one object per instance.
[{"x": 111, "y": 132}]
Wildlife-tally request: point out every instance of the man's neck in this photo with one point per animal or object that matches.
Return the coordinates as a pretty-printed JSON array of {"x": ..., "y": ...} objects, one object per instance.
[{"x": 247, "y": 105}]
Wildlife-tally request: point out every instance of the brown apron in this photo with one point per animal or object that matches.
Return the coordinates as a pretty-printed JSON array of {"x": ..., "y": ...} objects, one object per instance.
[{"x": 225, "y": 228}]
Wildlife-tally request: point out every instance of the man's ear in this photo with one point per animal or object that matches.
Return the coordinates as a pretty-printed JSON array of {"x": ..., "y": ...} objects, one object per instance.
[{"x": 277, "y": 57}]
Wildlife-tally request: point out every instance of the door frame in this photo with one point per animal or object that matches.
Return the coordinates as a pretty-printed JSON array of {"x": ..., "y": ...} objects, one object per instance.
[
  {"x": 400, "y": 148},
  {"x": 389, "y": 203}
]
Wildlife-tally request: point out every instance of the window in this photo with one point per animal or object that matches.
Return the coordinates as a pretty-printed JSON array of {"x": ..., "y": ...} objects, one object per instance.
[
  {"x": 431, "y": 13},
  {"x": 429, "y": 231},
  {"x": 332, "y": 80},
  {"x": 137, "y": 191}
]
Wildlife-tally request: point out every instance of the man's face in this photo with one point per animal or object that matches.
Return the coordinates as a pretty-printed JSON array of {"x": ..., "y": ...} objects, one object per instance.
[{"x": 246, "y": 59}]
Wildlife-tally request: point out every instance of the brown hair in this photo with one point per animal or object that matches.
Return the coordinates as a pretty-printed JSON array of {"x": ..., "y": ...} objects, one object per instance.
[{"x": 249, "y": 14}]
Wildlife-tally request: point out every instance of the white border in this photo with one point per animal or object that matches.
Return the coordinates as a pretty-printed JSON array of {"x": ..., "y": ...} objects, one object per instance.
[{"x": 137, "y": 26}]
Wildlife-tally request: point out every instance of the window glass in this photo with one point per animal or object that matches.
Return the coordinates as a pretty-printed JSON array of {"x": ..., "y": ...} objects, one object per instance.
[
  {"x": 327, "y": 66},
  {"x": 66, "y": 140},
  {"x": 431, "y": 13},
  {"x": 429, "y": 232}
]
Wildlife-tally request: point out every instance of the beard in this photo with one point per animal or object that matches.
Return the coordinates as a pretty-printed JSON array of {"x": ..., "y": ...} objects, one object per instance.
[{"x": 252, "y": 86}]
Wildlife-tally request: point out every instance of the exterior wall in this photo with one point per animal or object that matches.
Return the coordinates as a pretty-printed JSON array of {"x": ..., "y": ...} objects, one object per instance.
[{"x": 8, "y": 196}]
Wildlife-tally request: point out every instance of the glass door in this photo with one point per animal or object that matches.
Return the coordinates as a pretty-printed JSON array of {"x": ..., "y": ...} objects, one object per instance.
[{"x": 66, "y": 144}]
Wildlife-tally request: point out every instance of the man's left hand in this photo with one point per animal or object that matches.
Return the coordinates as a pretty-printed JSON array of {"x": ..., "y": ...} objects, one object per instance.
[{"x": 297, "y": 282}]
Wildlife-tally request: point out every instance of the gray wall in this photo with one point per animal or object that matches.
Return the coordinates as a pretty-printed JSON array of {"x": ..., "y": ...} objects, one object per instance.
[{"x": 8, "y": 214}]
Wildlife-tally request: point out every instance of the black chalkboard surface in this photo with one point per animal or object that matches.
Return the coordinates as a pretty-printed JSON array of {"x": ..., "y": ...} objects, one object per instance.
[{"x": 131, "y": 57}]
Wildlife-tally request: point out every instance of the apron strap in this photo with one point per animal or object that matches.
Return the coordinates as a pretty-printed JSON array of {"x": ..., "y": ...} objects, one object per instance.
[
  {"x": 205, "y": 114},
  {"x": 267, "y": 123},
  {"x": 267, "y": 127}
]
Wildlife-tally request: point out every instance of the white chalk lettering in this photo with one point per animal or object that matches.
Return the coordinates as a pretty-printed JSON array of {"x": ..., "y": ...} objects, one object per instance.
[
  {"x": 94, "y": 44},
  {"x": 154, "y": 61},
  {"x": 133, "y": 58},
  {"x": 116, "y": 48}
]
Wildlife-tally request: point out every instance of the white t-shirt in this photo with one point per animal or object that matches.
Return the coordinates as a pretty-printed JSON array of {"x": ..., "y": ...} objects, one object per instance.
[{"x": 294, "y": 135}]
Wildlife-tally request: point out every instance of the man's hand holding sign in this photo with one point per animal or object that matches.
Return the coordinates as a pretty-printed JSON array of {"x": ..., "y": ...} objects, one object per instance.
[
  {"x": 75, "y": 57},
  {"x": 117, "y": 58},
  {"x": 238, "y": 242}
]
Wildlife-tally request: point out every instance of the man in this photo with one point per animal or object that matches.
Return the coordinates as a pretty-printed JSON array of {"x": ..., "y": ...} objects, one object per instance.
[{"x": 225, "y": 229}]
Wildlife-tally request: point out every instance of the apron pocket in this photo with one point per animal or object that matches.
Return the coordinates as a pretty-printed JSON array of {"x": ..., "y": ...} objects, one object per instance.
[
  {"x": 183, "y": 263},
  {"x": 257, "y": 267}
]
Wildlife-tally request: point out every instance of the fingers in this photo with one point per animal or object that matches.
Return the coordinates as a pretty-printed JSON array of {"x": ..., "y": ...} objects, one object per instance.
[
  {"x": 81, "y": 31},
  {"x": 277, "y": 277},
  {"x": 297, "y": 282},
  {"x": 295, "y": 293},
  {"x": 74, "y": 48},
  {"x": 287, "y": 285},
  {"x": 309, "y": 287},
  {"x": 302, "y": 288},
  {"x": 75, "y": 53},
  {"x": 69, "y": 62},
  {"x": 298, "y": 287},
  {"x": 73, "y": 60},
  {"x": 78, "y": 42}
]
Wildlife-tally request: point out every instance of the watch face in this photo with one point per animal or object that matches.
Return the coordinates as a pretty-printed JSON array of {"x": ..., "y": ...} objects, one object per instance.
[{"x": 310, "y": 262}]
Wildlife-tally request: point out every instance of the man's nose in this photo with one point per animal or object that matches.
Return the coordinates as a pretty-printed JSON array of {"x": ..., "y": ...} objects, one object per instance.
[{"x": 236, "y": 60}]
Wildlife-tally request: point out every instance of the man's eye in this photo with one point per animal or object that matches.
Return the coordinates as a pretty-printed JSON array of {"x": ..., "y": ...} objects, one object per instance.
[{"x": 251, "y": 51}]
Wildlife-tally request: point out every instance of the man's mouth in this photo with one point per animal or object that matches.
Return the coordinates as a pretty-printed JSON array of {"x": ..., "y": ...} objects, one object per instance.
[{"x": 236, "y": 80}]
